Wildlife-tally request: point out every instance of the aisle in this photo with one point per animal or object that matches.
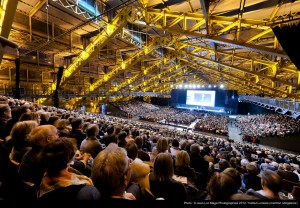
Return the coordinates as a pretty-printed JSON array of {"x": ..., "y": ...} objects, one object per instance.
[{"x": 234, "y": 133}]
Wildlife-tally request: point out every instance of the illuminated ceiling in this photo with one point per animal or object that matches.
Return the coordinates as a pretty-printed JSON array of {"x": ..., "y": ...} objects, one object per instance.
[{"x": 145, "y": 47}]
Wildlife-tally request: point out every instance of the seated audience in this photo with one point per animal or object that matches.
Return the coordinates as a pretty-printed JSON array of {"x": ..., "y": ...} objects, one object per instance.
[
  {"x": 111, "y": 173},
  {"x": 221, "y": 186},
  {"x": 139, "y": 170},
  {"x": 58, "y": 183},
  {"x": 32, "y": 167},
  {"x": 144, "y": 156},
  {"x": 271, "y": 186},
  {"x": 162, "y": 184}
]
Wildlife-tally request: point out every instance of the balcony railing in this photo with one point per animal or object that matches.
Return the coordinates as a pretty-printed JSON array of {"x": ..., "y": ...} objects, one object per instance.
[{"x": 284, "y": 105}]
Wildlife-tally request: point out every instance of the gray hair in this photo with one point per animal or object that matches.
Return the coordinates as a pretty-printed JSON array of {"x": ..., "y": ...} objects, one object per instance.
[{"x": 109, "y": 167}]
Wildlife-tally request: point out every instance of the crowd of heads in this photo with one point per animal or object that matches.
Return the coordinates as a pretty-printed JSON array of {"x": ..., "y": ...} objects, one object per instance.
[{"x": 116, "y": 158}]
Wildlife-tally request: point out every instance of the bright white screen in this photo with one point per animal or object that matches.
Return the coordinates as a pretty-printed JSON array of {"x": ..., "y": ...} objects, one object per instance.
[{"x": 200, "y": 97}]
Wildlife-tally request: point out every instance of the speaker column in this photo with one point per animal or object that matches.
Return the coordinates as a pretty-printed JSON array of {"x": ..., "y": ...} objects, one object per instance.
[{"x": 58, "y": 80}]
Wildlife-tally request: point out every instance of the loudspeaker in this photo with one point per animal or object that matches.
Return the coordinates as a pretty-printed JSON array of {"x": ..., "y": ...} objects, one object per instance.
[
  {"x": 91, "y": 80},
  {"x": 105, "y": 69},
  {"x": 55, "y": 99},
  {"x": 59, "y": 76},
  {"x": 288, "y": 37}
]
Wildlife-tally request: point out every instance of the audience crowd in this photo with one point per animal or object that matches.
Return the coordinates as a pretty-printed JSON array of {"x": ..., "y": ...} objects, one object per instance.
[
  {"x": 48, "y": 155},
  {"x": 266, "y": 125}
]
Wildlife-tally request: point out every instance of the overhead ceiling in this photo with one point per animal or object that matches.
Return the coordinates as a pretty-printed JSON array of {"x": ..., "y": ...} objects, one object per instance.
[{"x": 116, "y": 49}]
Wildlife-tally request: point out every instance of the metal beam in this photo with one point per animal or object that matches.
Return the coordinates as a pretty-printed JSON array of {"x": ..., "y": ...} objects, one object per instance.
[
  {"x": 279, "y": 92},
  {"x": 7, "y": 14},
  {"x": 272, "y": 78},
  {"x": 99, "y": 42},
  {"x": 36, "y": 7},
  {"x": 205, "y": 12},
  {"x": 259, "y": 35},
  {"x": 159, "y": 19}
]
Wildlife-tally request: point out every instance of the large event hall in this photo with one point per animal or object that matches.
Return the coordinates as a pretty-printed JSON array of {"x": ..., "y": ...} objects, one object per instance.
[{"x": 150, "y": 101}]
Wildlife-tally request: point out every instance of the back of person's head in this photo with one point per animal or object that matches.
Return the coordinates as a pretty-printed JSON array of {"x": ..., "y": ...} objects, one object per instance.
[
  {"x": 122, "y": 135},
  {"x": 92, "y": 130},
  {"x": 118, "y": 129},
  {"x": 182, "y": 159},
  {"x": 195, "y": 149},
  {"x": 30, "y": 116},
  {"x": 42, "y": 135},
  {"x": 110, "y": 129},
  {"x": 252, "y": 168},
  {"x": 244, "y": 162},
  {"x": 163, "y": 169},
  {"x": 132, "y": 150},
  {"x": 175, "y": 143},
  {"x": 61, "y": 124},
  {"x": 127, "y": 130},
  {"x": 3, "y": 109},
  {"x": 109, "y": 170},
  {"x": 45, "y": 117},
  {"x": 18, "y": 111},
  {"x": 52, "y": 119},
  {"x": 91, "y": 146},
  {"x": 287, "y": 167},
  {"x": 4, "y": 100},
  {"x": 223, "y": 164},
  {"x": 162, "y": 145},
  {"x": 221, "y": 187},
  {"x": 85, "y": 125},
  {"x": 271, "y": 180},
  {"x": 76, "y": 123},
  {"x": 236, "y": 175},
  {"x": 139, "y": 142},
  {"x": 20, "y": 131},
  {"x": 57, "y": 155}
]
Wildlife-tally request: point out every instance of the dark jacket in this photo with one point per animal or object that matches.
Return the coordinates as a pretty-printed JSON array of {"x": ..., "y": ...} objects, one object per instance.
[{"x": 170, "y": 190}]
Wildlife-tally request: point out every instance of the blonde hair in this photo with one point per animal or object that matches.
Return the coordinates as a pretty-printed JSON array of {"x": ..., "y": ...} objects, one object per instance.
[
  {"x": 162, "y": 145},
  {"x": 182, "y": 159},
  {"x": 163, "y": 167}
]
